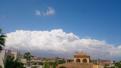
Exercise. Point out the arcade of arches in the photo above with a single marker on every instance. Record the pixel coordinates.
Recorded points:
(81, 58)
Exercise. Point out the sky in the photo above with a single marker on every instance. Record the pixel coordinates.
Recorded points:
(95, 19)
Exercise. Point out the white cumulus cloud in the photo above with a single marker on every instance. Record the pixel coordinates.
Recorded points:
(48, 12)
(58, 42)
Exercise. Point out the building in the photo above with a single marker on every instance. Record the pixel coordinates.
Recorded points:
(12, 53)
(35, 62)
(24, 61)
(81, 57)
(80, 60)
(2, 54)
(107, 63)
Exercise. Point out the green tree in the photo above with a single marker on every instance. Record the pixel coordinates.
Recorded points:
(54, 65)
(61, 61)
(10, 62)
(46, 65)
(28, 56)
(118, 64)
(2, 40)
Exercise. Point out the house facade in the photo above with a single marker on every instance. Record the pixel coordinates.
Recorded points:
(80, 60)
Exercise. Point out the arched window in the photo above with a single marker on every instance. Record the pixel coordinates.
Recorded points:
(77, 60)
(84, 60)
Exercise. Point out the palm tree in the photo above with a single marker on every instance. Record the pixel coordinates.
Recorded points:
(28, 56)
(2, 40)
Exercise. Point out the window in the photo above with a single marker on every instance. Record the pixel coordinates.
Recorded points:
(77, 60)
(84, 60)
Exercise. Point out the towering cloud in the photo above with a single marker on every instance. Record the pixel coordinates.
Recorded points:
(58, 42)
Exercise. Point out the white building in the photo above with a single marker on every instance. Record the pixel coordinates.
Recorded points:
(2, 54)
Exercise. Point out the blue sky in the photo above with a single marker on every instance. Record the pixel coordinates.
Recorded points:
(99, 19)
